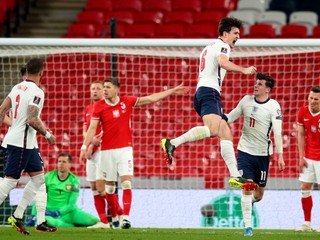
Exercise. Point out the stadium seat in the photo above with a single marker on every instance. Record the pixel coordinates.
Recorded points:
(294, 31)
(149, 17)
(86, 30)
(307, 18)
(256, 6)
(127, 5)
(143, 30)
(186, 5)
(212, 16)
(162, 6)
(172, 30)
(218, 5)
(276, 18)
(121, 30)
(178, 17)
(202, 30)
(316, 32)
(262, 31)
(105, 5)
(93, 17)
(123, 17)
(248, 18)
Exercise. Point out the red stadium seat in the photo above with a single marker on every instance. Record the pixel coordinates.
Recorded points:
(152, 5)
(123, 17)
(93, 17)
(144, 30)
(149, 17)
(202, 30)
(178, 17)
(105, 5)
(172, 30)
(86, 30)
(213, 16)
(186, 5)
(316, 32)
(127, 5)
(224, 6)
(262, 31)
(294, 31)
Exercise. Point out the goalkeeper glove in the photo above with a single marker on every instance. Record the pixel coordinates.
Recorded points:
(53, 213)
(31, 221)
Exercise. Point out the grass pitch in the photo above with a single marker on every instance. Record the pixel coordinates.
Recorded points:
(155, 234)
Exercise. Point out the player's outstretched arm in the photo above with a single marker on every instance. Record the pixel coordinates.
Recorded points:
(224, 62)
(178, 90)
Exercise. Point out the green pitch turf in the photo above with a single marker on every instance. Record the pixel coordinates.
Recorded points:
(155, 234)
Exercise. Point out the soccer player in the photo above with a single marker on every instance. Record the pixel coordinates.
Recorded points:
(114, 114)
(63, 193)
(26, 101)
(97, 185)
(214, 63)
(261, 115)
(309, 153)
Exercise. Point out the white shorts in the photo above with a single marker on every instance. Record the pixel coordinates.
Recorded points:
(92, 167)
(116, 161)
(311, 174)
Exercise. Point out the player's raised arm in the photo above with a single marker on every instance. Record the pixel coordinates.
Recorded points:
(178, 90)
(224, 62)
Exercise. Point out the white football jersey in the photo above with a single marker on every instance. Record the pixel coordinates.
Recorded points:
(210, 73)
(259, 119)
(20, 134)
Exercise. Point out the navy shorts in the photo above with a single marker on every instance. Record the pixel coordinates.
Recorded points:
(254, 167)
(207, 101)
(21, 160)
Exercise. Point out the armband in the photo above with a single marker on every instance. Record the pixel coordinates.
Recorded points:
(48, 135)
(84, 147)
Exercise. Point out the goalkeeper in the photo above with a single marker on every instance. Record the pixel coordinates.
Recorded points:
(63, 192)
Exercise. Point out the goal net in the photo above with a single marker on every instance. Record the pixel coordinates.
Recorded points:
(144, 67)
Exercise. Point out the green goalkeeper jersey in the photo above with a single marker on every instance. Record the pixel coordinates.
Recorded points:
(62, 194)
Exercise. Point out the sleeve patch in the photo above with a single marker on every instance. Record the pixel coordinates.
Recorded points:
(36, 100)
(224, 50)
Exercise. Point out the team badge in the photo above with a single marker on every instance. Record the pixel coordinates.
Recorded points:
(116, 113)
(313, 129)
(68, 187)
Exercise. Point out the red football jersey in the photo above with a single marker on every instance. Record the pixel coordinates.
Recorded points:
(87, 119)
(311, 124)
(115, 121)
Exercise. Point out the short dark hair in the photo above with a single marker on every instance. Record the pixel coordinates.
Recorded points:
(23, 71)
(227, 23)
(34, 65)
(315, 89)
(114, 81)
(66, 155)
(270, 82)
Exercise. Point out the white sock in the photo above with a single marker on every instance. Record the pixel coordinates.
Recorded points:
(246, 206)
(6, 185)
(228, 155)
(194, 134)
(41, 203)
(29, 193)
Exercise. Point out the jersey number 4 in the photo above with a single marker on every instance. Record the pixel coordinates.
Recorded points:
(17, 106)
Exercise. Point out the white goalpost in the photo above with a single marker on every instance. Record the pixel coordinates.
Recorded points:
(143, 66)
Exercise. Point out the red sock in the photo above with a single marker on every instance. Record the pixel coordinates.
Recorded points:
(307, 204)
(100, 205)
(119, 209)
(127, 199)
(112, 199)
